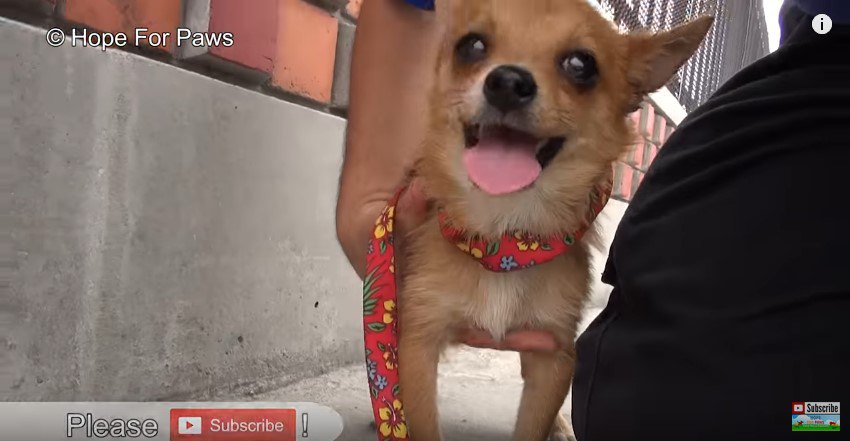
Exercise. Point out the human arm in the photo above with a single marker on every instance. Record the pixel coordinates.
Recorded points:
(391, 73)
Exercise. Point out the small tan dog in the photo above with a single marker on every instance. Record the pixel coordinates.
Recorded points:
(528, 114)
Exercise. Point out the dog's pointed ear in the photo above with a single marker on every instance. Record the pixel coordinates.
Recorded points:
(655, 58)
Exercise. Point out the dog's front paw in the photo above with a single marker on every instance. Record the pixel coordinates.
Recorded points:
(561, 437)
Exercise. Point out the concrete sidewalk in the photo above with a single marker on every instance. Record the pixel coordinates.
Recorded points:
(479, 395)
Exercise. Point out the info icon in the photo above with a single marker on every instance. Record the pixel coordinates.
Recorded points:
(822, 24)
(798, 408)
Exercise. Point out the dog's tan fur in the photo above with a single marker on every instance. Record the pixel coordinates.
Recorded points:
(443, 290)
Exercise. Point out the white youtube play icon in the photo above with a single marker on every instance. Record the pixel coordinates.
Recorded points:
(189, 425)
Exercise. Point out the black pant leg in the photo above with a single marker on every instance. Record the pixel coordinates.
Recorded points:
(731, 266)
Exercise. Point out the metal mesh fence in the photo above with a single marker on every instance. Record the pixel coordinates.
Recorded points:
(738, 37)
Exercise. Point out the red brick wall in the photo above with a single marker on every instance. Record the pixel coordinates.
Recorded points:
(293, 49)
(652, 128)
(285, 45)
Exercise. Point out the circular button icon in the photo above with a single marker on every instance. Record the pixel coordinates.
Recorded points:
(822, 24)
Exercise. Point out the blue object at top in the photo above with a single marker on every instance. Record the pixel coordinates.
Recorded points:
(837, 10)
(424, 4)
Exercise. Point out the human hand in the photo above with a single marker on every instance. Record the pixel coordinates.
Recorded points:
(519, 341)
(411, 210)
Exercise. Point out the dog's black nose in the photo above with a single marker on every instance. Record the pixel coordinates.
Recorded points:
(509, 88)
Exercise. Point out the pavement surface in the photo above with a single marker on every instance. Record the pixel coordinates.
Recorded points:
(479, 394)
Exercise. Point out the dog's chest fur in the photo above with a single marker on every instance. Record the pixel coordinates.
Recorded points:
(446, 285)
(500, 302)
(549, 296)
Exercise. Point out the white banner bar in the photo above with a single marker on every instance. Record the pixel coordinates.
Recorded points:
(189, 421)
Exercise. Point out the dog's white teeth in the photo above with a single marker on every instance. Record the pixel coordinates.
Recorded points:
(483, 130)
(541, 145)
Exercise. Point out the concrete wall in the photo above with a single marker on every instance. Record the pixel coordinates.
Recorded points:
(170, 233)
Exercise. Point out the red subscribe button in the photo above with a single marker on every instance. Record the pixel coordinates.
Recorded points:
(233, 424)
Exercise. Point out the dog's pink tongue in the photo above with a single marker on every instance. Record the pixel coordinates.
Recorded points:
(502, 162)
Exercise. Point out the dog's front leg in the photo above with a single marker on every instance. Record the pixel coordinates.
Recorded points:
(547, 381)
(418, 359)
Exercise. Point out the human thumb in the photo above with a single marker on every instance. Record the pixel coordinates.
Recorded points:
(412, 206)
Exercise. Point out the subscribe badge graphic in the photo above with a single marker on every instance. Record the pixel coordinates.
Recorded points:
(816, 416)
(233, 424)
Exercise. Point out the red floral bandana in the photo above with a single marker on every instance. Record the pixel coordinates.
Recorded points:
(514, 251)
(517, 251)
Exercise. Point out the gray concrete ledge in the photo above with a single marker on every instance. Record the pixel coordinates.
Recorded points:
(171, 235)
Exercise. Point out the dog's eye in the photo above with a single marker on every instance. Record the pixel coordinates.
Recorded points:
(580, 68)
(472, 48)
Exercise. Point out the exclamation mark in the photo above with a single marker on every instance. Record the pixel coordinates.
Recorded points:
(303, 425)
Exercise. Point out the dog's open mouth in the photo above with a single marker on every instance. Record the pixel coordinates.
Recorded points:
(500, 159)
